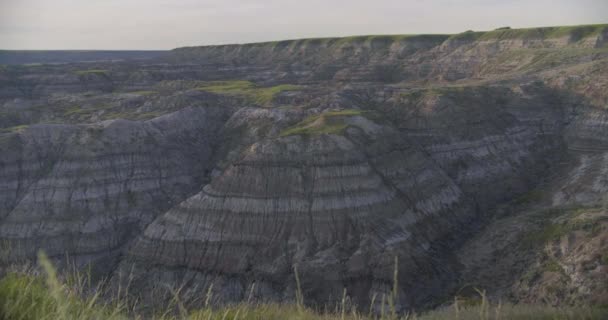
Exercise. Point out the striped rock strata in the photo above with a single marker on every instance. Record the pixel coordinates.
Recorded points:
(87, 190)
(342, 207)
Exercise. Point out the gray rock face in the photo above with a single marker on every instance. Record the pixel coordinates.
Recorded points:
(88, 189)
(342, 207)
(295, 200)
(229, 166)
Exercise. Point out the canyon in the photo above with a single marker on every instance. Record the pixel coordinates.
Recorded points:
(473, 160)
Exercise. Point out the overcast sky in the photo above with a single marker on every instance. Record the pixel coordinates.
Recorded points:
(166, 24)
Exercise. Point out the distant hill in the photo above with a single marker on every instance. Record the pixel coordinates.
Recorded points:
(66, 56)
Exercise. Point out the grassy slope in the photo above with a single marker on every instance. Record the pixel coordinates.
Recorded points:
(256, 94)
(576, 33)
(331, 122)
(27, 296)
(91, 71)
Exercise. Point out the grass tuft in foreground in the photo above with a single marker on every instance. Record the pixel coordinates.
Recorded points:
(37, 297)
(28, 296)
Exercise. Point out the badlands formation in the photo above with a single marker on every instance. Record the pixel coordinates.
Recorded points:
(474, 160)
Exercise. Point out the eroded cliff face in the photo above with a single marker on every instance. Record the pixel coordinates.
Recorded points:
(408, 58)
(89, 189)
(395, 182)
(226, 167)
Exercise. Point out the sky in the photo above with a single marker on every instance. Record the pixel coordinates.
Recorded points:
(167, 24)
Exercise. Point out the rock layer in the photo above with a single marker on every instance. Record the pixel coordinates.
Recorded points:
(87, 190)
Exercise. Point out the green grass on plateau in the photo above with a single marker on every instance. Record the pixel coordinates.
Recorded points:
(331, 122)
(247, 89)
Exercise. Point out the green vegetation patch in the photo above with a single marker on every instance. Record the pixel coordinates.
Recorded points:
(604, 258)
(86, 111)
(552, 232)
(14, 129)
(265, 95)
(248, 89)
(91, 71)
(47, 296)
(131, 115)
(532, 196)
(108, 112)
(388, 39)
(223, 87)
(552, 266)
(144, 92)
(331, 122)
(565, 222)
(533, 60)
(419, 94)
(468, 35)
(28, 296)
(575, 33)
(537, 271)
(25, 297)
